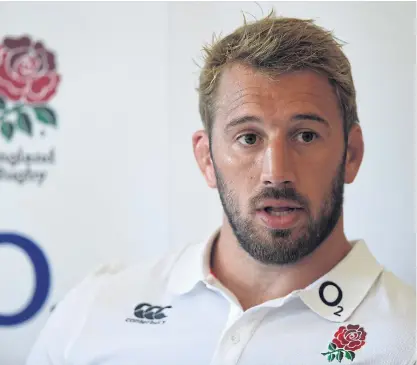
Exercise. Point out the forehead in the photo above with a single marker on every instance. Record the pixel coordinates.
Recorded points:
(243, 88)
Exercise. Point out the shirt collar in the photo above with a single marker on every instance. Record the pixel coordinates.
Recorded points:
(337, 294)
(193, 266)
(334, 296)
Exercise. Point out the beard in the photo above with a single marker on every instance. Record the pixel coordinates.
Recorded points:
(279, 246)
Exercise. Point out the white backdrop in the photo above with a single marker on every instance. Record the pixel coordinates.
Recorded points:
(125, 184)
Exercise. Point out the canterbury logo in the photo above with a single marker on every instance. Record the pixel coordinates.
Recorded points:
(149, 311)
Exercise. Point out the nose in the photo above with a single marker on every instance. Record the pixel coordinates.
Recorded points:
(277, 167)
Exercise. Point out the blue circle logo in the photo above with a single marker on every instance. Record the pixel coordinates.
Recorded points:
(42, 278)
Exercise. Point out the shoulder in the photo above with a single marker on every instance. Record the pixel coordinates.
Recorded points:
(117, 277)
(390, 313)
(396, 302)
(399, 297)
(67, 319)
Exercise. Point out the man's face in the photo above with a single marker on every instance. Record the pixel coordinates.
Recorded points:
(278, 154)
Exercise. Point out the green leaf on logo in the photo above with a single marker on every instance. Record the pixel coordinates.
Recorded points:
(7, 130)
(332, 346)
(2, 104)
(45, 115)
(350, 355)
(331, 357)
(339, 356)
(24, 123)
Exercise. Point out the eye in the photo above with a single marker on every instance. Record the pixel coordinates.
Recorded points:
(306, 136)
(248, 139)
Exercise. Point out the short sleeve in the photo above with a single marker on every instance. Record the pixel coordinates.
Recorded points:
(67, 319)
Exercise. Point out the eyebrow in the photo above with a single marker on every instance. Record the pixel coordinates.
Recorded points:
(297, 117)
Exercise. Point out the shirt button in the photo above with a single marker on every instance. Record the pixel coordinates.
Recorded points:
(235, 338)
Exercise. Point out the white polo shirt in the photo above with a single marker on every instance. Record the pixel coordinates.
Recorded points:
(174, 312)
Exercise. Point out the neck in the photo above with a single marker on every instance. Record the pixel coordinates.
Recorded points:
(253, 282)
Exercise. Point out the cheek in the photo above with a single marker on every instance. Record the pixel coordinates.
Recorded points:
(314, 180)
(239, 175)
(235, 167)
(231, 157)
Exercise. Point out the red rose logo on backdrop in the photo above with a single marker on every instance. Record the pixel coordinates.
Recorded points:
(28, 80)
(346, 340)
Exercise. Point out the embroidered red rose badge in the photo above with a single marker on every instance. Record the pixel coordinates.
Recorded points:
(28, 80)
(346, 341)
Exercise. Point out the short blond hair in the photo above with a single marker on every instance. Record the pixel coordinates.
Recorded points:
(276, 45)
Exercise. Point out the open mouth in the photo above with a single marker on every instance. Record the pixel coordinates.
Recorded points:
(280, 211)
(280, 216)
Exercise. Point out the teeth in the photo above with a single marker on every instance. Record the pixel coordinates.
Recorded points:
(280, 213)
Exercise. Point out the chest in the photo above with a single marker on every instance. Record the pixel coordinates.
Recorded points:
(206, 330)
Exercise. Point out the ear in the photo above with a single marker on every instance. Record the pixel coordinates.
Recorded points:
(355, 152)
(201, 149)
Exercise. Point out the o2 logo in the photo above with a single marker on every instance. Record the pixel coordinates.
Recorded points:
(42, 278)
(335, 302)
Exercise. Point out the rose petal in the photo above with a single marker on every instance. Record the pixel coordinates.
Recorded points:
(2, 54)
(353, 327)
(337, 343)
(46, 57)
(4, 91)
(51, 61)
(43, 57)
(19, 61)
(14, 57)
(12, 43)
(351, 335)
(38, 46)
(340, 331)
(342, 339)
(9, 88)
(355, 345)
(362, 334)
(12, 73)
(40, 84)
(43, 88)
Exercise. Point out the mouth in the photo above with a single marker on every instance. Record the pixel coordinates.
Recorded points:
(279, 215)
(280, 211)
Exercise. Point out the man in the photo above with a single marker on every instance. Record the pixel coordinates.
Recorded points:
(278, 283)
